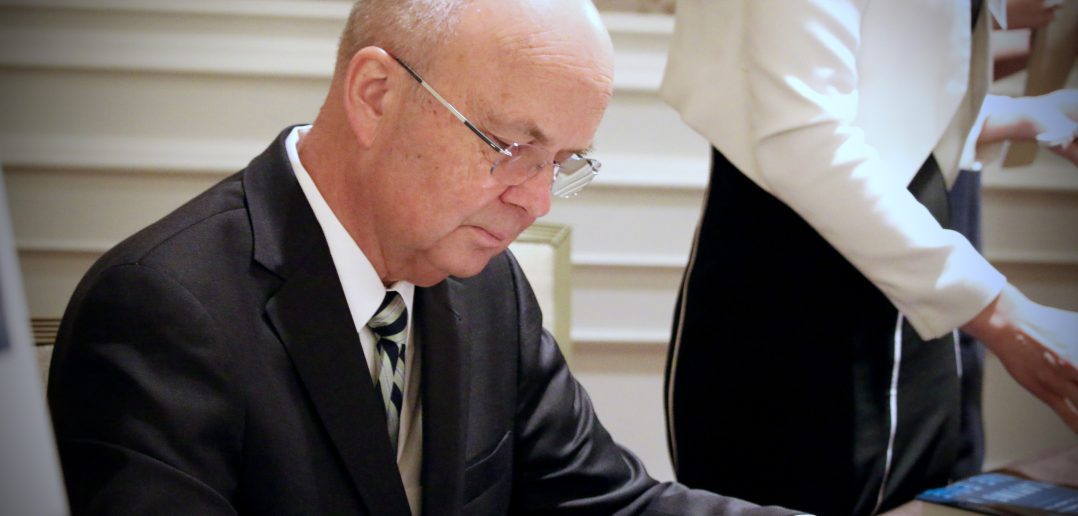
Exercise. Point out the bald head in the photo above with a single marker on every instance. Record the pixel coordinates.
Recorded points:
(420, 30)
(543, 29)
(404, 27)
(421, 193)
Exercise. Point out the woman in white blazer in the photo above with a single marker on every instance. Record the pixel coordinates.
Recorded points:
(817, 313)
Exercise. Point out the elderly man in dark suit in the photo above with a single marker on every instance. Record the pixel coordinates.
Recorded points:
(338, 328)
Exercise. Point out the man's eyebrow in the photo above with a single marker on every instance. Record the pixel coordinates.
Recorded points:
(542, 140)
(585, 151)
(530, 128)
(537, 135)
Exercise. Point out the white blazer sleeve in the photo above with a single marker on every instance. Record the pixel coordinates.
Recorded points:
(801, 64)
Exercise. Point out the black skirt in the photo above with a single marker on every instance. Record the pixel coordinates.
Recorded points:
(781, 385)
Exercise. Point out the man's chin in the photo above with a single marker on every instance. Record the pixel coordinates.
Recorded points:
(458, 268)
(470, 269)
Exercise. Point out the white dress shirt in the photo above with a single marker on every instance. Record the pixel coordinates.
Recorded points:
(832, 106)
(364, 292)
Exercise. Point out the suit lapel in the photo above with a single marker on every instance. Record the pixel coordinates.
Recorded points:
(445, 407)
(311, 317)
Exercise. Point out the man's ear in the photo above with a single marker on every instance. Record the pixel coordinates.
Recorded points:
(367, 92)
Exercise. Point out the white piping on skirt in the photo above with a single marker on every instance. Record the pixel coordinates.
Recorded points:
(957, 354)
(677, 338)
(892, 396)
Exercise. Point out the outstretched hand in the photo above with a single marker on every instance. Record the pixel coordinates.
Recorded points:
(1038, 345)
(1050, 119)
(1030, 14)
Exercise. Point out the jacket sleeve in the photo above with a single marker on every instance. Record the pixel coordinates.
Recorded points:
(144, 418)
(566, 462)
(817, 161)
(800, 63)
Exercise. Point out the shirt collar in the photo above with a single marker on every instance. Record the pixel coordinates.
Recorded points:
(363, 289)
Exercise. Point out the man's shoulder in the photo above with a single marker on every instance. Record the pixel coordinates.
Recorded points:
(215, 217)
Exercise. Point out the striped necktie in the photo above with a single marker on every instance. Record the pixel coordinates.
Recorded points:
(390, 326)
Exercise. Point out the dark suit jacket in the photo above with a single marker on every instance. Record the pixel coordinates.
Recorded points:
(209, 365)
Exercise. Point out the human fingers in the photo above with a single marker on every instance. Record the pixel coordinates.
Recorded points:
(1069, 151)
(1030, 14)
(1057, 386)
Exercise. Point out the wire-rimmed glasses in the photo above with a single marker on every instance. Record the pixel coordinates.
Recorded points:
(519, 162)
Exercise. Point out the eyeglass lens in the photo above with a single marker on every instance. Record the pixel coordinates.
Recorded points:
(573, 174)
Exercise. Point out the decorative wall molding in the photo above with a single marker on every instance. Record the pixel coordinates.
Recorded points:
(104, 154)
(63, 247)
(289, 10)
(603, 336)
(303, 47)
(44, 329)
(218, 38)
(319, 9)
(649, 6)
(98, 154)
(629, 261)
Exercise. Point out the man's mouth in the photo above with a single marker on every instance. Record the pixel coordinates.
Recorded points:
(494, 237)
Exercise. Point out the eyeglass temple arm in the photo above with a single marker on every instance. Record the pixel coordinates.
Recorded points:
(453, 110)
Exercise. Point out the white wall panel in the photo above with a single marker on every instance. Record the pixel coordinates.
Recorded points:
(53, 275)
(1016, 423)
(602, 313)
(637, 127)
(1051, 284)
(630, 221)
(142, 113)
(625, 383)
(1031, 225)
(94, 211)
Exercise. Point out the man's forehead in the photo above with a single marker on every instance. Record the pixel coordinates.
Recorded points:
(514, 128)
(532, 35)
(530, 82)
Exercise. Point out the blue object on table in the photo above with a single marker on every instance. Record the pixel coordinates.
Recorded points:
(998, 493)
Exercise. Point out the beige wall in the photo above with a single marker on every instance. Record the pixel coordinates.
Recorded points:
(113, 112)
(639, 6)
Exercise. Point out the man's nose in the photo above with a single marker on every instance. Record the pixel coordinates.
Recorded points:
(533, 195)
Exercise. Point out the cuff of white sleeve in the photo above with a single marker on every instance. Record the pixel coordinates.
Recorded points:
(970, 287)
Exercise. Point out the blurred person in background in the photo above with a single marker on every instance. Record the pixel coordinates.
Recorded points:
(964, 201)
(813, 360)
